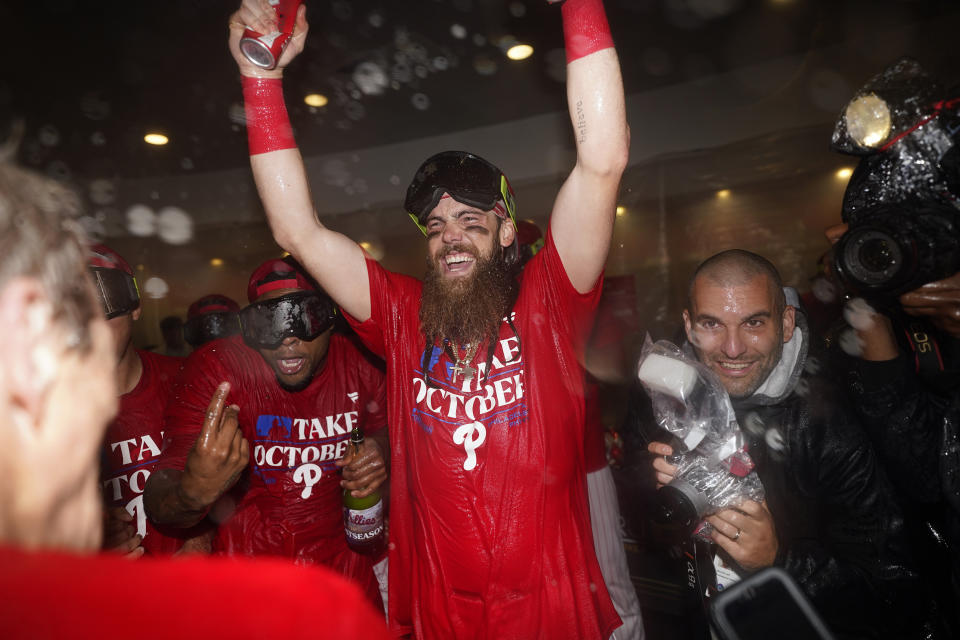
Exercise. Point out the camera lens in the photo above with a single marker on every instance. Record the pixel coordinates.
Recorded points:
(871, 257)
(876, 255)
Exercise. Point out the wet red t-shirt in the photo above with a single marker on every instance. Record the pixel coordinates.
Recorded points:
(61, 595)
(489, 524)
(289, 502)
(131, 448)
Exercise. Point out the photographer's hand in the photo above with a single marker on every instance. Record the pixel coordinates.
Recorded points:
(747, 533)
(665, 471)
(939, 301)
(874, 330)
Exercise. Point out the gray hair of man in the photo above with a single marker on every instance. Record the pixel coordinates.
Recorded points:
(40, 237)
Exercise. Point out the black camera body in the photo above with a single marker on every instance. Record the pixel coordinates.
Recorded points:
(902, 203)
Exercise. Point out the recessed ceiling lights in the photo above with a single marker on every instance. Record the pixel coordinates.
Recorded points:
(156, 139)
(844, 173)
(316, 100)
(520, 52)
(723, 193)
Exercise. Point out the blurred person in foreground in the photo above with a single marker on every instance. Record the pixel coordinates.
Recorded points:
(298, 388)
(57, 394)
(133, 439)
(489, 522)
(830, 517)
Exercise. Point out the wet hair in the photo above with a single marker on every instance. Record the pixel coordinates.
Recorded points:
(738, 267)
(41, 238)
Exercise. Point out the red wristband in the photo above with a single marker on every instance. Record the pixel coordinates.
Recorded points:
(585, 28)
(268, 125)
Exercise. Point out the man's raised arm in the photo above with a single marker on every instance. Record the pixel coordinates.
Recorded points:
(335, 261)
(583, 214)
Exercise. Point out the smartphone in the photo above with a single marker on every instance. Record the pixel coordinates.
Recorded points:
(768, 604)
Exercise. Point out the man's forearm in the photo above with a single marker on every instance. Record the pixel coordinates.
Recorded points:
(165, 502)
(583, 215)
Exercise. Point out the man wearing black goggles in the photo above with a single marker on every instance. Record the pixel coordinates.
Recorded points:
(489, 431)
(302, 314)
(296, 388)
(211, 317)
(145, 380)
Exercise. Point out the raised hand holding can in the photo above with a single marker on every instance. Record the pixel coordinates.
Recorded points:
(265, 49)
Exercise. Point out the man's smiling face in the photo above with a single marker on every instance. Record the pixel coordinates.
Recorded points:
(458, 236)
(737, 331)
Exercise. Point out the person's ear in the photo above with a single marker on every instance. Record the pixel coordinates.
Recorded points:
(789, 322)
(508, 233)
(28, 337)
(688, 326)
(136, 313)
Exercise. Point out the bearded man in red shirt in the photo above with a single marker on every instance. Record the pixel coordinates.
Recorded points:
(489, 523)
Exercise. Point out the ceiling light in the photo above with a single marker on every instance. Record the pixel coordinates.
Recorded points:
(216, 262)
(621, 211)
(316, 100)
(520, 52)
(365, 246)
(723, 193)
(156, 138)
(844, 173)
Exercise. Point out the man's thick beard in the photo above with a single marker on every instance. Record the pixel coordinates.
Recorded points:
(468, 309)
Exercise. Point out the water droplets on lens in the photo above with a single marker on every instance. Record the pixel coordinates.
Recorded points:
(174, 225)
(141, 220)
(420, 101)
(156, 288)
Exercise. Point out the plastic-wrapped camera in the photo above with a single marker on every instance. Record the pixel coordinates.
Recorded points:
(903, 200)
(714, 470)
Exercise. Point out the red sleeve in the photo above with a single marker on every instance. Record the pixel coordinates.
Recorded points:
(391, 294)
(374, 390)
(202, 372)
(570, 312)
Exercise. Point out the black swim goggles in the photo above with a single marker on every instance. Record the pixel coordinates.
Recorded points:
(467, 178)
(303, 314)
(116, 289)
(203, 328)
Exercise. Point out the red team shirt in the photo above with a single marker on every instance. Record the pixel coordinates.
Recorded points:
(489, 523)
(289, 502)
(62, 595)
(132, 445)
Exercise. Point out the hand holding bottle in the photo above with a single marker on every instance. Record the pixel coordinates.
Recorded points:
(364, 468)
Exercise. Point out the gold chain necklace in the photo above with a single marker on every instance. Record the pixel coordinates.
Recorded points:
(462, 365)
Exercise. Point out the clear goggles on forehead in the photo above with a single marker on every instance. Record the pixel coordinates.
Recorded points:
(116, 289)
(304, 315)
(211, 326)
(467, 178)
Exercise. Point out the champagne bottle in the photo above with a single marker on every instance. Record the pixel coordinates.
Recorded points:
(363, 517)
